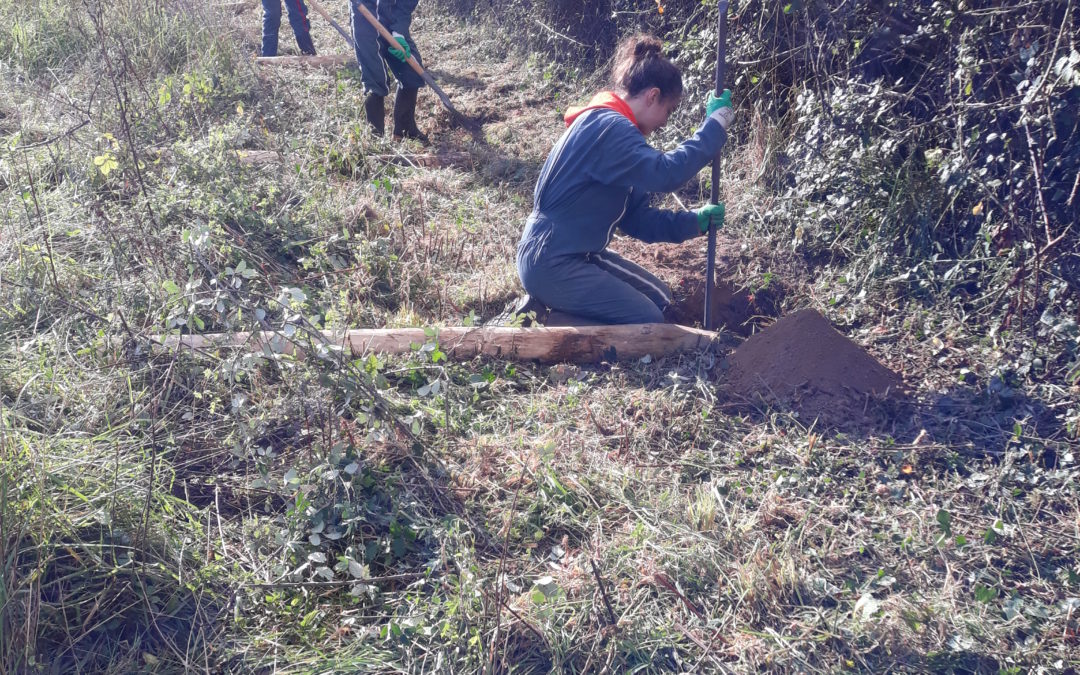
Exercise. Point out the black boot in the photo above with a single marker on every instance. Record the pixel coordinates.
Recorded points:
(375, 107)
(405, 115)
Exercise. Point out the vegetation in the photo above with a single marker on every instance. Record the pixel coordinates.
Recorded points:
(909, 171)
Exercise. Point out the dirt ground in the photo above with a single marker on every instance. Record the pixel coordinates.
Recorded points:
(737, 309)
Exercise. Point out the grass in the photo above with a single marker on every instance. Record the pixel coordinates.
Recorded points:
(240, 512)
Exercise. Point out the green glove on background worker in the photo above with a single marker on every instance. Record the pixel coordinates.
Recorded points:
(404, 52)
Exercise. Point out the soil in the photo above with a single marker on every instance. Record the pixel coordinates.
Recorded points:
(682, 267)
(803, 363)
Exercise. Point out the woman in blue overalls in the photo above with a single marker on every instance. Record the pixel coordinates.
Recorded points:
(599, 176)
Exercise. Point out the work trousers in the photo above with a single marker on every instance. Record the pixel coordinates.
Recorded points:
(298, 19)
(602, 286)
(373, 55)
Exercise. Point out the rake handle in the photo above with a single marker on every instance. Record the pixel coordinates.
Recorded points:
(326, 15)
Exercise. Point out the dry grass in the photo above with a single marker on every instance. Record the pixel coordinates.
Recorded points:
(240, 512)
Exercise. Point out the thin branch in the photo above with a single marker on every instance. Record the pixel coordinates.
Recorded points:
(603, 593)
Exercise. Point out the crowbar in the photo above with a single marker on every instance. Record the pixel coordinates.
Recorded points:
(714, 195)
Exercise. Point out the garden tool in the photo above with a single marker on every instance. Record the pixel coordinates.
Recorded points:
(714, 195)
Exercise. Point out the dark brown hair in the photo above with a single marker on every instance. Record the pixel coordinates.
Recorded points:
(640, 64)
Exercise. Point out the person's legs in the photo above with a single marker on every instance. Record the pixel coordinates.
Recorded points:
(298, 19)
(372, 68)
(409, 83)
(271, 24)
(635, 275)
(574, 285)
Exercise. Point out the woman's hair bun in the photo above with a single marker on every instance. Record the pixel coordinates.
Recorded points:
(647, 45)
(640, 64)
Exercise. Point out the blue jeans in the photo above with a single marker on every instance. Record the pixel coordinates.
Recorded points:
(298, 19)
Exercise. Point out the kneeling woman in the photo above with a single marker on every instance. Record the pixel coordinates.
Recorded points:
(599, 176)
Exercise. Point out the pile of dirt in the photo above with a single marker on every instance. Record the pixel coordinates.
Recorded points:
(803, 363)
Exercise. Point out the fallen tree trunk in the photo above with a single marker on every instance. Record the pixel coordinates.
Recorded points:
(318, 60)
(575, 344)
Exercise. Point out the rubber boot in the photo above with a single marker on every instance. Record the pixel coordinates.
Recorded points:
(375, 107)
(405, 115)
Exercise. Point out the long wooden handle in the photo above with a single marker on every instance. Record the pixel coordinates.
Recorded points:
(326, 15)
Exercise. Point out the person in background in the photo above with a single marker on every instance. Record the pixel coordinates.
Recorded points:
(599, 176)
(298, 19)
(374, 54)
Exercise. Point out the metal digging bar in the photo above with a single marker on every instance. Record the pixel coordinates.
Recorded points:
(714, 196)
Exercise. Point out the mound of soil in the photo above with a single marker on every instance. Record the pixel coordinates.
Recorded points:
(801, 361)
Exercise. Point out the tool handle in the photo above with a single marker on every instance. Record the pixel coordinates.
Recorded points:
(721, 44)
(326, 15)
(714, 194)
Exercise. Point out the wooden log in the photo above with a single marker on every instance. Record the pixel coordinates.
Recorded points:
(570, 344)
(234, 7)
(325, 60)
(257, 157)
(426, 160)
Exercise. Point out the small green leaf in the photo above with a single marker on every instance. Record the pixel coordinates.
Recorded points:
(985, 594)
(944, 519)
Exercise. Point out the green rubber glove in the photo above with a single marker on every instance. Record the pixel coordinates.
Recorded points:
(716, 102)
(723, 104)
(404, 52)
(710, 213)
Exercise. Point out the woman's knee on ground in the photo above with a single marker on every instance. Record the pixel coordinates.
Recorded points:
(644, 312)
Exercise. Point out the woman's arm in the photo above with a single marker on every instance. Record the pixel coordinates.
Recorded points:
(652, 225)
(624, 158)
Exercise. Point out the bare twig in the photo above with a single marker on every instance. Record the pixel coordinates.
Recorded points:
(603, 592)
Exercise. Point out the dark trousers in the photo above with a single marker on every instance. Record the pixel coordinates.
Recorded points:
(602, 286)
(298, 19)
(373, 55)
